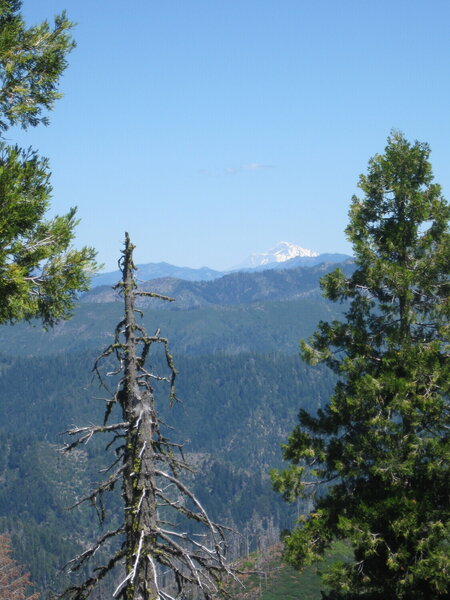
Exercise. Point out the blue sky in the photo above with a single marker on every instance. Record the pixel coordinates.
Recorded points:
(211, 129)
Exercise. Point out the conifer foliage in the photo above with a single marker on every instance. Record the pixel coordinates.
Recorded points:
(40, 273)
(14, 581)
(381, 447)
(157, 503)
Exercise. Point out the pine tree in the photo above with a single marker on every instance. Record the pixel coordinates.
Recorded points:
(380, 450)
(40, 273)
(14, 581)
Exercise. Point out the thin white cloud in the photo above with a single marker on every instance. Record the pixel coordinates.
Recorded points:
(248, 167)
(256, 167)
(239, 169)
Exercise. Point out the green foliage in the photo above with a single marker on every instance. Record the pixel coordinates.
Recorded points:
(40, 274)
(31, 62)
(382, 443)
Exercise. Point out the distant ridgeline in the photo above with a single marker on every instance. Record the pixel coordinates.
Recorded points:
(148, 271)
(242, 287)
(241, 385)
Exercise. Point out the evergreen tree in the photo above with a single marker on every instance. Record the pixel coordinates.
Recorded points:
(40, 274)
(381, 447)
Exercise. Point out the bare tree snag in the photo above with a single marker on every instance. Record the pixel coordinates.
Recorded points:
(149, 467)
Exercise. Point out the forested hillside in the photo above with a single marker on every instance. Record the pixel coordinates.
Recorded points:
(232, 289)
(257, 327)
(240, 384)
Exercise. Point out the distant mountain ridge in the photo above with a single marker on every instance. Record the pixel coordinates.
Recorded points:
(235, 288)
(149, 271)
(282, 256)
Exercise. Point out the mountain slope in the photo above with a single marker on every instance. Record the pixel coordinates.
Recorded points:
(235, 288)
(240, 381)
(257, 327)
(282, 256)
(234, 413)
(149, 271)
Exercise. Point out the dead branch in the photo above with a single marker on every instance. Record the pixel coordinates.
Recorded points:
(144, 460)
(88, 432)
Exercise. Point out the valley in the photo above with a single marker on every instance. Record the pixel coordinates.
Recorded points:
(240, 385)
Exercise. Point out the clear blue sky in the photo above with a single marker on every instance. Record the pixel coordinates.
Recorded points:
(210, 129)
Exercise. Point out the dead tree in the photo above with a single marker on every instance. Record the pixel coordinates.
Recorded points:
(149, 467)
(14, 581)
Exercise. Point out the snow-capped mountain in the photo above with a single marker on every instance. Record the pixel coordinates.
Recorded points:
(281, 252)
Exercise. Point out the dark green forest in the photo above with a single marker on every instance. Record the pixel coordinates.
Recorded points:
(240, 386)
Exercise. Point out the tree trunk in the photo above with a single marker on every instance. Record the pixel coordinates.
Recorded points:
(138, 483)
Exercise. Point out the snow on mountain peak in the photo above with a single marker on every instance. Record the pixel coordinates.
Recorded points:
(281, 252)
